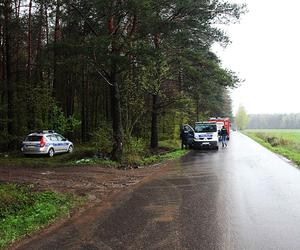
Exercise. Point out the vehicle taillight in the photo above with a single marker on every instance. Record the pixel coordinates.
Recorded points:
(42, 142)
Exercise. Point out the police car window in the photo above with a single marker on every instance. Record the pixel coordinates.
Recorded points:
(59, 138)
(33, 138)
(51, 138)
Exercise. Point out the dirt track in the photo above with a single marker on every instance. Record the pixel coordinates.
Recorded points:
(97, 183)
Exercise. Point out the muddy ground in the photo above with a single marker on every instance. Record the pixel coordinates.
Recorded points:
(97, 183)
(100, 185)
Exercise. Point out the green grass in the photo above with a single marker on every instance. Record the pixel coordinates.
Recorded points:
(85, 155)
(80, 152)
(171, 144)
(24, 210)
(166, 156)
(283, 142)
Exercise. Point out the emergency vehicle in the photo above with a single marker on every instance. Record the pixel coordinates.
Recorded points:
(220, 123)
(46, 143)
(204, 134)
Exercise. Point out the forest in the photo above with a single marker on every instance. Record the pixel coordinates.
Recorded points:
(113, 72)
(274, 121)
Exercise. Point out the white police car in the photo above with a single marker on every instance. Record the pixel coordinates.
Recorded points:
(46, 143)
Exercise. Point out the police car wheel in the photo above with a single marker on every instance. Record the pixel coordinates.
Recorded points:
(70, 150)
(51, 152)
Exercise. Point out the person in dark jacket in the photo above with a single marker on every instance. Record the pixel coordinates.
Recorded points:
(184, 136)
(224, 134)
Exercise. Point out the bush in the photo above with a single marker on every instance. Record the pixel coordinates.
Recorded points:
(103, 139)
(63, 124)
(274, 141)
(170, 144)
(133, 150)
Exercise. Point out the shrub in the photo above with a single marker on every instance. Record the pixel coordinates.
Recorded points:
(133, 150)
(63, 124)
(103, 139)
(274, 141)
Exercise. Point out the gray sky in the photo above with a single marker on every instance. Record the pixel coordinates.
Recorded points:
(265, 51)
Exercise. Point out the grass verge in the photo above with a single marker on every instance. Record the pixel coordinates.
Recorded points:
(86, 155)
(282, 142)
(23, 210)
(162, 157)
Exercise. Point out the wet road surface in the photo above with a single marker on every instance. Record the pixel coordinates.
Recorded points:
(241, 197)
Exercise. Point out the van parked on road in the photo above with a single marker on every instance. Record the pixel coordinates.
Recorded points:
(205, 134)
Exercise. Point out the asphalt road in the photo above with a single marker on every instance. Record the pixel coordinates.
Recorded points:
(241, 197)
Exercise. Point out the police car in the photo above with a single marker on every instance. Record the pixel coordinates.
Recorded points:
(205, 134)
(46, 143)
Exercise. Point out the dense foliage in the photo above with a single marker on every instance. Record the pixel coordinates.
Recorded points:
(127, 68)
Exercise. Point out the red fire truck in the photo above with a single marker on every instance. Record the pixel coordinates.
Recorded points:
(222, 122)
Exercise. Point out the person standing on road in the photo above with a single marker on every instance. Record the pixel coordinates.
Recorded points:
(224, 134)
(184, 136)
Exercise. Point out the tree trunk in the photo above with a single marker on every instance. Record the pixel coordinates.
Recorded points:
(154, 126)
(70, 98)
(56, 38)
(29, 48)
(8, 70)
(107, 104)
(2, 77)
(20, 119)
(83, 107)
(38, 69)
(47, 43)
(154, 120)
(197, 109)
(115, 98)
(17, 13)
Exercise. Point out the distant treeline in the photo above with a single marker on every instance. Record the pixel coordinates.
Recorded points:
(274, 121)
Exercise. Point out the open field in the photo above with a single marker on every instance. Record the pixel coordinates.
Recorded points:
(285, 142)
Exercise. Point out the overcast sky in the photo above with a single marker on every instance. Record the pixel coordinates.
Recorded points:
(265, 51)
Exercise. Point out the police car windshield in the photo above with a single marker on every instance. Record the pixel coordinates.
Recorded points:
(33, 138)
(203, 128)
